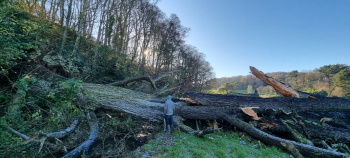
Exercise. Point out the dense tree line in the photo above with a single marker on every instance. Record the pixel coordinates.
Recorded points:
(116, 39)
(328, 80)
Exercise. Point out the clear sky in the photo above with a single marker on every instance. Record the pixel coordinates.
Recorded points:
(271, 35)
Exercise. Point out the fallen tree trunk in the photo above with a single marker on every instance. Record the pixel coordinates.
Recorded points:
(277, 103)
(277, 85)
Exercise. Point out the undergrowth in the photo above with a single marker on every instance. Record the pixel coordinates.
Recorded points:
(29, 113)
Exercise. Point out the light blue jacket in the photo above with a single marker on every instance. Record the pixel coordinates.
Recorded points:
(169, 107)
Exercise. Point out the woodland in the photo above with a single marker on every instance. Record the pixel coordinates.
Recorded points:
(88, 78)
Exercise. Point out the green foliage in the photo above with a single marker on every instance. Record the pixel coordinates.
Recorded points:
(17, 32)
(62, 101)
(227, 88)
(14, 118)
(293, 74)
(22, 84)
(19, 98)
(67, 90)
(342, 79)
(250, 89)
(330, 70)
(38, 113)
(210, 91)
(8, 141)
(110, 65)
(222, 144)
(267, 91)
(315, 91)
(120, 124)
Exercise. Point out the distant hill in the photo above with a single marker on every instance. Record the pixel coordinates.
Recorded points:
(311, 81)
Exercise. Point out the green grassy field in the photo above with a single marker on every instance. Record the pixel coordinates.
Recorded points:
(213, 91)
(220, 144)
(242, 91)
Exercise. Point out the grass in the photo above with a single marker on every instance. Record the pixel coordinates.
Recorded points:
(242, 91)
(213, 91)
(220, 144)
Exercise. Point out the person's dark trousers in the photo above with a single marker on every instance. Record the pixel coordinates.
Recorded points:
(169, 122)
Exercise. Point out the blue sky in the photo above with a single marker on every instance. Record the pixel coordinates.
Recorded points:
(271, 35)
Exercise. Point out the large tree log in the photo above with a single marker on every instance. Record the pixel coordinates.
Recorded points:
(277, 103)
(277, 85)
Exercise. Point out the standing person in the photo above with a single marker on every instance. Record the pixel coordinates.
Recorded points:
(169, 109)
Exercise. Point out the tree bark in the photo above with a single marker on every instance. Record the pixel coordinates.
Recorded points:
(64, 37)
